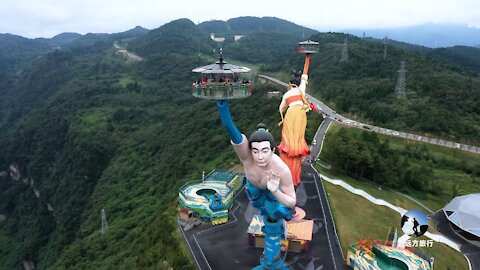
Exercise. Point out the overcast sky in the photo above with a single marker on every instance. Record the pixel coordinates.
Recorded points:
(46, 18)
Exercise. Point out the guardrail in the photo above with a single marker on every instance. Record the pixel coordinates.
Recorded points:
(222, 90)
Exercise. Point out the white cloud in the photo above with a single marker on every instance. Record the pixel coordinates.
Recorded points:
(33, 18)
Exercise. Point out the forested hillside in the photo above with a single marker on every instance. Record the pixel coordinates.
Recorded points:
(464, 56)
(261, 48)
(16, 53)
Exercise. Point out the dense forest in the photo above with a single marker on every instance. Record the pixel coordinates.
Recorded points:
(88, 129)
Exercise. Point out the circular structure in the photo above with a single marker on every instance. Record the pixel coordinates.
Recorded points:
(464, 212)
(222, 81)
(308, 46)
(211, 198)
(206, 192)
(299, 213)
(414, 223)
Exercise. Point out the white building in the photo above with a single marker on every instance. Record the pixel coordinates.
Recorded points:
(464, 212)
(238, 37)
(216, 39)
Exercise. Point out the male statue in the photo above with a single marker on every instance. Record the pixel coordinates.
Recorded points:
(269, 180)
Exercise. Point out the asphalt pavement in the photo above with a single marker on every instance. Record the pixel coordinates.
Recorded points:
(319, 136)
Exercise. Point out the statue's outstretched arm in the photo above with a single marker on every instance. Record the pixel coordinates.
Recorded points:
(223, 109)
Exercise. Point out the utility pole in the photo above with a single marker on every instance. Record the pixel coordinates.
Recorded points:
(344, 52)
(385, 42)
(104, 222)
(400, 87)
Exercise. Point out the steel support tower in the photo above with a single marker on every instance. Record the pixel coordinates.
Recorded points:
(385, 42)
(400, 87)
(104, 222)
(344, 58)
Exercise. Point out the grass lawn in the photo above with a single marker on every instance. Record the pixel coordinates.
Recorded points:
(356, 218)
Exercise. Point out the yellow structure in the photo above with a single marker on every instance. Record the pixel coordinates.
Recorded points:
(299, 234)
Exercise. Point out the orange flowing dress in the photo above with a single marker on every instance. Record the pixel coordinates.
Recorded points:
(293, 146)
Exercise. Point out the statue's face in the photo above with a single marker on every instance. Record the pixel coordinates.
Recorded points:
(262, 153)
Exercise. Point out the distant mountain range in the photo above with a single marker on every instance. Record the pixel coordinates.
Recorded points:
(429, 35)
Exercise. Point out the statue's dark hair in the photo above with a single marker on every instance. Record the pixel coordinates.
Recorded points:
(261, 135)
(296, 77)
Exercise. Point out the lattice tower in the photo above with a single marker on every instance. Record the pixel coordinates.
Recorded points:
(344, 58)
(400, 87)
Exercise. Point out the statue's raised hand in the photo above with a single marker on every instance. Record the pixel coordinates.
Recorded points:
(273, 181)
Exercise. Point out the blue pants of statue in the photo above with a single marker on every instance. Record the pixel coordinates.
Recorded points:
(272, 211)
(263, 200)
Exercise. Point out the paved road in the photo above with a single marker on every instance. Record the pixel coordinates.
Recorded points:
(328, 112)
(226, 246)
(471, 249)
(318, 139)
(330, 230)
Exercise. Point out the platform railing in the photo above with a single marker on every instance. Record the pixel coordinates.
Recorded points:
(213, 90)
